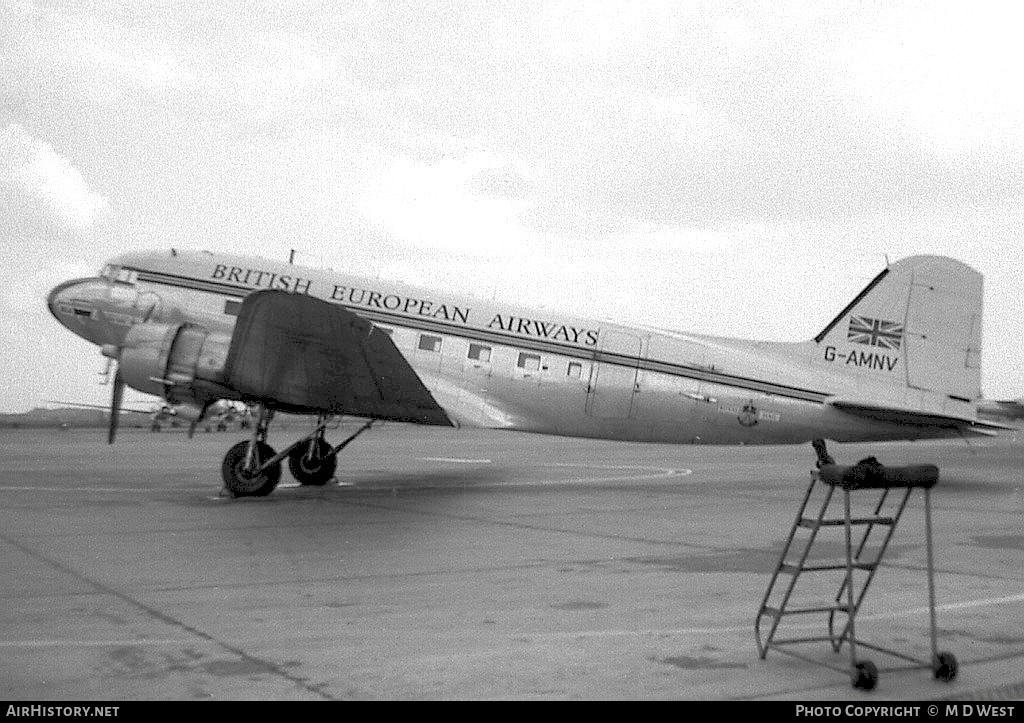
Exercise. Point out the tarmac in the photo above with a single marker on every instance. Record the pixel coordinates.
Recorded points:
(476, 565)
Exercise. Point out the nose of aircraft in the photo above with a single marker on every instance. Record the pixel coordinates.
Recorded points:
(75, 302)
(59, 296)
(96, 310)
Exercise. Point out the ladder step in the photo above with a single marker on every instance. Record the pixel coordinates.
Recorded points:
(777, 613)
(778, 643)
(832, 522)
(794, 569)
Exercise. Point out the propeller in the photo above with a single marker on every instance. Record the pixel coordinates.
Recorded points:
(113, 354)
(197, 420)
(115, 405)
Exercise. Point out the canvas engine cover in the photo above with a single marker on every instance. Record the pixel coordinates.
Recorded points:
(301, 354)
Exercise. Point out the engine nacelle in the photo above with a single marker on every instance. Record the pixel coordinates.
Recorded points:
(180, 362)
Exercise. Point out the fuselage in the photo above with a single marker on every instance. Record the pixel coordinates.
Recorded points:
(494, 365)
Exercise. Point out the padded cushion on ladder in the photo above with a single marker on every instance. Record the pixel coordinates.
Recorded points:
(870, 474)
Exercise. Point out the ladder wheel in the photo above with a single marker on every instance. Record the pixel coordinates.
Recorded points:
(865, 675)
(944, 666)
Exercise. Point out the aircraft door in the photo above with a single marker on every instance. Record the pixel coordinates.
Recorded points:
(614, 376)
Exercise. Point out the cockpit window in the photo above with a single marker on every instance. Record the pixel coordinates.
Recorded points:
(119, 275)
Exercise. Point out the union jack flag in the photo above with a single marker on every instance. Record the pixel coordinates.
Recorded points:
(875, 332)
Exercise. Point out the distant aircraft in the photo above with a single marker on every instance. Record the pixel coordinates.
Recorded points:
(221, 414)
(901, 361)
(1009, 409)
(166, 414)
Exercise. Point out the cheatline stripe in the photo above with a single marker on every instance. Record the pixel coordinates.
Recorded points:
(474, 334)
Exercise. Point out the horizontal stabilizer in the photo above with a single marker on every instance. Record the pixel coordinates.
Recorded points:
(902, 415)
(1001, 409)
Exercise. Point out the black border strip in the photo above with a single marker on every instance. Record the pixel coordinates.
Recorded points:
(846, 309)
(475, 334)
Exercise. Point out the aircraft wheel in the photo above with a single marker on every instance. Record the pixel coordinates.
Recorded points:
(221, 427)
(944, 666)
(241, 483)
(317, 472)
(864, 675)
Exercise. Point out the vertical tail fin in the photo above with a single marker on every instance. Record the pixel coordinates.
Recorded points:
(917, 325)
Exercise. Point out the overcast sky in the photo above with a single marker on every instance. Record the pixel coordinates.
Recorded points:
(732, 168)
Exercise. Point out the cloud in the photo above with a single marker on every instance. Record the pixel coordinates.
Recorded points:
(636, 159)
(38, 185)
(468, 205)
(704, 116)
(501, 182)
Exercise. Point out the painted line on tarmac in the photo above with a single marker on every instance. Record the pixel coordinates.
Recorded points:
(89, 643)
(646, 472)
(957, 606)
(641, 472)
(985, 602)
(7, 488)
(456, 460)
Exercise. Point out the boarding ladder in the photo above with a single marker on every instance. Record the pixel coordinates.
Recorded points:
(867, 535)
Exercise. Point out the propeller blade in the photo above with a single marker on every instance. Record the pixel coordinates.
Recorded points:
(197, 420)
(115, 405)
(105, 374)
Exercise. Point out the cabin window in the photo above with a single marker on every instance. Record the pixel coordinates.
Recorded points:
(428, 342)
(575, 370)
(480, 352)
(529, 362)
(231, 307)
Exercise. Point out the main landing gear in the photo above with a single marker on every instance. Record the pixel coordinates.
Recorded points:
(252, 468)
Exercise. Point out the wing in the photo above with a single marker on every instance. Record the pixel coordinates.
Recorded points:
(304, 355)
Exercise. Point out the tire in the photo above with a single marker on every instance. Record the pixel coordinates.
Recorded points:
(243, 484)
(316, 473)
